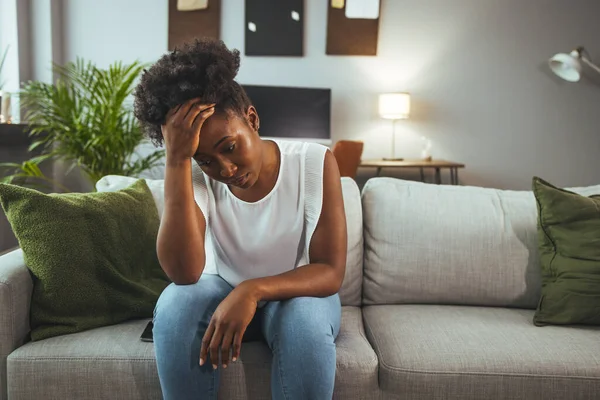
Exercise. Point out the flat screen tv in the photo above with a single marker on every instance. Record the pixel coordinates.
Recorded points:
(292, 112)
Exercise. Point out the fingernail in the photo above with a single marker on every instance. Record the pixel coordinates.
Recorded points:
(201, 362)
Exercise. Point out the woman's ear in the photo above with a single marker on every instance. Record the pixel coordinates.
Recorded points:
(252, 118)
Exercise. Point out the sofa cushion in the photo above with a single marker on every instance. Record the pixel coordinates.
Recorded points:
(92, 256)
(113, 363)
(465, 352)
(351, 291)
(569, 238)
(441, 244)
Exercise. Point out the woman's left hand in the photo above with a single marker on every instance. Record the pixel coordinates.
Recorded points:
(228, 324)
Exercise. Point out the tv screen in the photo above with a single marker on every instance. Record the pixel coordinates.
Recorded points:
(291, 112)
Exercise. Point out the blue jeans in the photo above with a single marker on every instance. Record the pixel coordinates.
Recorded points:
(301, 333)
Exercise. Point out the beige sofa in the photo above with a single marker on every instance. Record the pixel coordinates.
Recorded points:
(439, 295)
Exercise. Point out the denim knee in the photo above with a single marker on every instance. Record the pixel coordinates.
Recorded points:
(305, 320)
(183, 304)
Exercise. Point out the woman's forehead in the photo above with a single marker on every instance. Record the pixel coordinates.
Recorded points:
(215, 130)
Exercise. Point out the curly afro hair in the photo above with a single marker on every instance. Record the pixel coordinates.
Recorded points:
(204, 68)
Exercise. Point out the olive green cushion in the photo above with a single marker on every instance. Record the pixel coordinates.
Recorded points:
(92, 256)
(569, 245)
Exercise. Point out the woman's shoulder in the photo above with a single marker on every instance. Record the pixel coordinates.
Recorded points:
(306, 156)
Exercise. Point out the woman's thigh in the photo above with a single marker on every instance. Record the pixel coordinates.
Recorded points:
(302, 318)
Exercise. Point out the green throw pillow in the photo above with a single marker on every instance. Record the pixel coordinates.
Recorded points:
(569, 245)
(92, 256)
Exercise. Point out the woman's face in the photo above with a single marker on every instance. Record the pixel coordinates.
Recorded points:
(230, 150)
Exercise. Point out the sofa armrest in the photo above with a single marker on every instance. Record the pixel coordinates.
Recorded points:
(16, 288)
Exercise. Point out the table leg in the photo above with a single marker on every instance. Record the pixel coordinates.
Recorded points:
(422, 174)
(455, 176)
(438, 176)
(378, 171)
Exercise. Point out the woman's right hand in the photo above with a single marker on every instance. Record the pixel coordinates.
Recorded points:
(181, 131)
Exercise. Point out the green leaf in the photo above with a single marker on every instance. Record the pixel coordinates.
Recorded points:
(36, 144)
(40, 159)
(32, 169)
(10, 165)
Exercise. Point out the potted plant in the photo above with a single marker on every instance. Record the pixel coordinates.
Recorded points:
(86, 120)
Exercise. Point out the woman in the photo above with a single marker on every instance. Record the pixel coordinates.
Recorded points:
(253, 234)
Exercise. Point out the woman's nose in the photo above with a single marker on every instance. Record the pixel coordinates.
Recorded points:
(228, 169)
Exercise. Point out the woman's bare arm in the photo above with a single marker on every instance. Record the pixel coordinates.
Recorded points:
(180, 243)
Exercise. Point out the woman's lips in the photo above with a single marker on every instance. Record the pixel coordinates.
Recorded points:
(239, 181)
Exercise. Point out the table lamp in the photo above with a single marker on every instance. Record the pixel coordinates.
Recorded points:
(568, 66)
(394, 106)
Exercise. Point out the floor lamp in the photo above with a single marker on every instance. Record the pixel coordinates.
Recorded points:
(394, 106)
(568, 66)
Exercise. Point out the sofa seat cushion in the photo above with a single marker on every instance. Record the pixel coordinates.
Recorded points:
(464, 352)
(113, 363)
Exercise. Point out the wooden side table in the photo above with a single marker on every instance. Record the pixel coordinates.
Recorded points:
(437, 165)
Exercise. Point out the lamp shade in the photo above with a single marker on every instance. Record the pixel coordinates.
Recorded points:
(394, 105)
(566, 66)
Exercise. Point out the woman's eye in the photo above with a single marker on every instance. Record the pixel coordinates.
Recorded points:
(203, 163)
(231, 148)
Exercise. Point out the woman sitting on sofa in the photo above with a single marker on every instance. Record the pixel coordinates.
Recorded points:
(253, 236)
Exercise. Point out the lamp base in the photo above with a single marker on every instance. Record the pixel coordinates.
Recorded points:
(392, 159)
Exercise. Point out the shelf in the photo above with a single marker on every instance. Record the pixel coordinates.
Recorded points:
(14, 135)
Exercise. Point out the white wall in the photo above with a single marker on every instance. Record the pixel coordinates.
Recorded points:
(111, 30)
(476, 70)
(8, 40)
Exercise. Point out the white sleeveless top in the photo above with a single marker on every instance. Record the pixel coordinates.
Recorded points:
(271, 236)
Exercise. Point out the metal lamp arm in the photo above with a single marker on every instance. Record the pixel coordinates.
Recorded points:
(590, 64)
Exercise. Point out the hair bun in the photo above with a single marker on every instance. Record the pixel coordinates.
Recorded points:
(221, 64)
